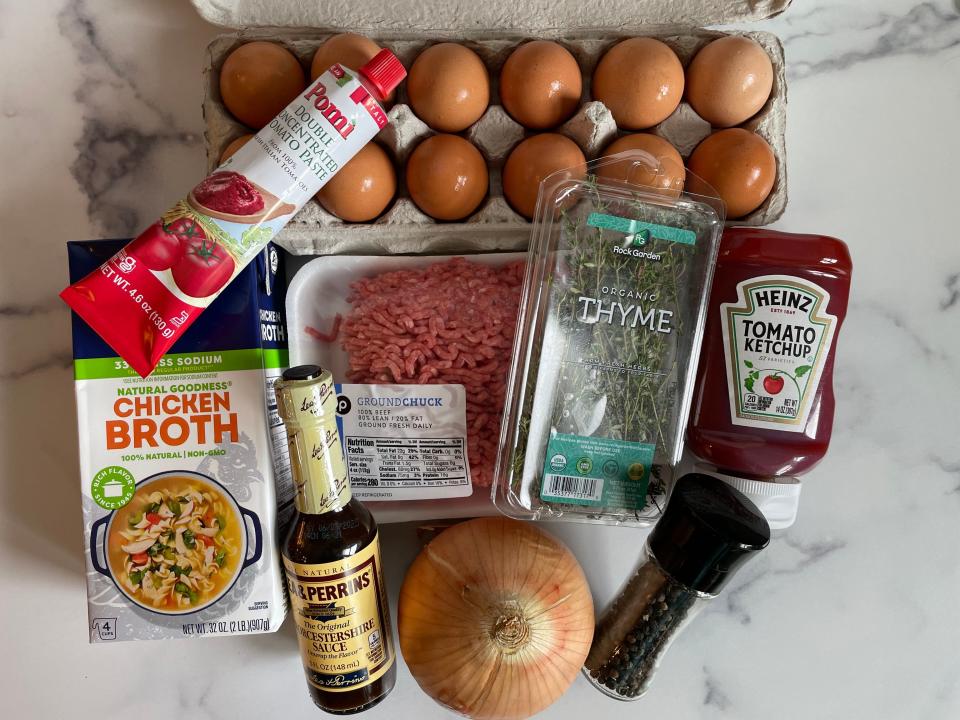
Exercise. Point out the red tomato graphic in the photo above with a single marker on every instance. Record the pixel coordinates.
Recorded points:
(185, 229)
(156, 248)
(204, 268)
(773, 384)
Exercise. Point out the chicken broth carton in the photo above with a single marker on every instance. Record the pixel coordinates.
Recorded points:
(184, 474)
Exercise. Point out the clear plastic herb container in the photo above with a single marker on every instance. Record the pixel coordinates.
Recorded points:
(607, 342)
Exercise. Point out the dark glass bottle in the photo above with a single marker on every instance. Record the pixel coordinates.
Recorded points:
(331, 557)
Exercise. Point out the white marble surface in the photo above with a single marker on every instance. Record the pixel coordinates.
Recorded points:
(852, 614)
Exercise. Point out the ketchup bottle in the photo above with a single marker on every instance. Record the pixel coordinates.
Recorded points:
(763, 403)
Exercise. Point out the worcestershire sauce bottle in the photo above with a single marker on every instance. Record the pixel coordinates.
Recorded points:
(331, 557)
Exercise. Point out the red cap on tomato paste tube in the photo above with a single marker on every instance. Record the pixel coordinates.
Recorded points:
(384, 72)
(778, 498)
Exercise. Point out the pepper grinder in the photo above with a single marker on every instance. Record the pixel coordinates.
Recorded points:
(707, 533)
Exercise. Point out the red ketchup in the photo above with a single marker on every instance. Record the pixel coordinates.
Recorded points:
(763, 402)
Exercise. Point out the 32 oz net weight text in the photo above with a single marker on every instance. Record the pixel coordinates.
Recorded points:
(224, 627)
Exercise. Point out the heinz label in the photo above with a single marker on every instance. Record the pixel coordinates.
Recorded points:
(342, 624)
(776, 337)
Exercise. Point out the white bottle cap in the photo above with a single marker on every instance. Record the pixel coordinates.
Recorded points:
(777, 498)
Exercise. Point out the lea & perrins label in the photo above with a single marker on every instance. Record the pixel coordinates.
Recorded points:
(342, 626)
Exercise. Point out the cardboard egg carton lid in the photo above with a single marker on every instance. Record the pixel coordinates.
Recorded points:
(466, 19)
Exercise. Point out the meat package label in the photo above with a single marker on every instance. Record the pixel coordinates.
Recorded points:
(405, 442)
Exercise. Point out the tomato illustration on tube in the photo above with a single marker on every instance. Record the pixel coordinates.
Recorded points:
(144, 297)
(203, 269)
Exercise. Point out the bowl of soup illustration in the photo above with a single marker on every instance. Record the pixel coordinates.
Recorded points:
(179, 545)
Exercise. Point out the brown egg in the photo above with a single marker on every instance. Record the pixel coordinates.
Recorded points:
(729, 80)
(447, 177)
(740, 166)
(531, 161)
(349, 49)
(234, 145)
(258, 80)
(668, 177)
(363, 188)
(640, 80)
(540, 84)
(449, 87)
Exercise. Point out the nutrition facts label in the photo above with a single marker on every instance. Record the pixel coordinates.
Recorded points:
(405, 442)
(412, 462)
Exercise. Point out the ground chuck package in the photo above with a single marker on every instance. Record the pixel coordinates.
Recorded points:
(184, 476)
(420, 347)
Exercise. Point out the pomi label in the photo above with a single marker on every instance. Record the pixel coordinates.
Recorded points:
(776, 338)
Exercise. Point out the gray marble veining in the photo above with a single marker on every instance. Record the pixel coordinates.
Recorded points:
(850, 614)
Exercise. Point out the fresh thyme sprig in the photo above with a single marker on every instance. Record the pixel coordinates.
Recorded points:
(636, 373)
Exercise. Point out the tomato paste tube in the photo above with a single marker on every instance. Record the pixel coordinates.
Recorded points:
(144, 297)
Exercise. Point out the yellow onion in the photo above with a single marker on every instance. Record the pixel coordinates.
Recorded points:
(495, 619)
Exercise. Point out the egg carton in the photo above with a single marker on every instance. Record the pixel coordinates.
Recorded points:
(403, 228)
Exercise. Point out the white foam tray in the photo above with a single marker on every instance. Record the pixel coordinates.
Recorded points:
(316, 295)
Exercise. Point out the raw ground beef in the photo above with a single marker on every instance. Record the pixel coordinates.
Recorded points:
(452, 322)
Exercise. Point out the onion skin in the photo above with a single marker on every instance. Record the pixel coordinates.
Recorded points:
(495, 619)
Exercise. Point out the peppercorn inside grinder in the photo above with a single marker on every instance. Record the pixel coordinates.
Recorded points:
(708, 531)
